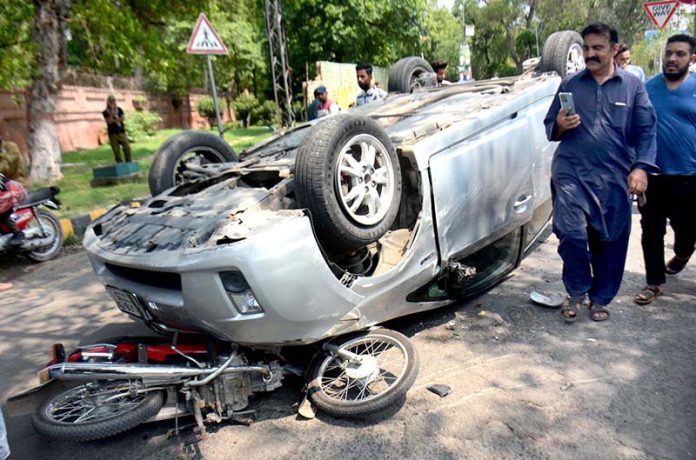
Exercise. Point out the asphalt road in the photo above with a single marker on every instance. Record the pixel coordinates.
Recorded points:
(523, 383)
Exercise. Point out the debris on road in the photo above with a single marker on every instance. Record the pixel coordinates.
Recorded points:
(440, 390)
(567, 386)
(554, 300)
(306, 409)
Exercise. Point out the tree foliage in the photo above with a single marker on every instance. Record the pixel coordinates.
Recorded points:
(379, 32)
(16, 47)
(147, 39)
(443, 39)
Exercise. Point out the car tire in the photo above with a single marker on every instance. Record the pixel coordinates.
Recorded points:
(404, 74)
(563, 53)
(347, 175)
(172, 156)
(320, 386)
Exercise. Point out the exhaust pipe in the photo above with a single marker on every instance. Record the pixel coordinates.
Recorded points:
(107, 371)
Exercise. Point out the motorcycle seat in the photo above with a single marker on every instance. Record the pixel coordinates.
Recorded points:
(39, 196)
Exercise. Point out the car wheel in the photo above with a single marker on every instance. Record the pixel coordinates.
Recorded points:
(406, 73)
(387, 369)
(178, 153)
(347, 175)
(563, 53)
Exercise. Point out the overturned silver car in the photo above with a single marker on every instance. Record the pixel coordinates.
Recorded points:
(331, 228)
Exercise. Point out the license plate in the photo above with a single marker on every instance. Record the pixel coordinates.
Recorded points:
(126, 301)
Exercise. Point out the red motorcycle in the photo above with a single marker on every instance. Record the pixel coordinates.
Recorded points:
(43, 236)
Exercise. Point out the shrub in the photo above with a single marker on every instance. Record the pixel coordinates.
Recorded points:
(139, 102)
(230, 125)
(206, 109)
(265, 114)
(243, 106)
(142, 124)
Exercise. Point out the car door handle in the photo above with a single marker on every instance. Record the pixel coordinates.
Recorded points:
(521, 204)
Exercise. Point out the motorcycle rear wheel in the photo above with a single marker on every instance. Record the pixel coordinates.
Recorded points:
(388, 371)
(84, 413)
(51, 225)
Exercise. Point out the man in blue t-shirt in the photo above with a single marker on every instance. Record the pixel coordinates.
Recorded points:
(671, 195)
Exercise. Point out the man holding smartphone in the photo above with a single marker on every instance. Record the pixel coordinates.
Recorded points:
(672, 195)
(606, 150)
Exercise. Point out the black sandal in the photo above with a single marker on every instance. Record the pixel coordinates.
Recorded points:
(569, 311)
(599, 313)
(648, 294)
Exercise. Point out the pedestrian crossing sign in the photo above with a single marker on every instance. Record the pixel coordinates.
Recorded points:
(661, 12)
(204, 39)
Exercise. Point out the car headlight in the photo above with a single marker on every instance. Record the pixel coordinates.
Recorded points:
(240, 293)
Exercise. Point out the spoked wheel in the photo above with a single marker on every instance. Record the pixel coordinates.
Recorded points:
(50, 231)
(95, 410)
(383, 370)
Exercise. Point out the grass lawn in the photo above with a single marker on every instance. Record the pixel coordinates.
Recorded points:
(79, 197)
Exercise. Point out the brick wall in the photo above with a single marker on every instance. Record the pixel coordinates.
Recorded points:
(78, 117)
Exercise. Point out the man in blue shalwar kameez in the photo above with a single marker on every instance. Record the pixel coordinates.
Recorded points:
(606, 150)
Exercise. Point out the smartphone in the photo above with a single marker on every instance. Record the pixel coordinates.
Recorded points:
(567, 102)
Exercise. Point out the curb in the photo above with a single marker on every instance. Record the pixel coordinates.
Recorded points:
(76, 225)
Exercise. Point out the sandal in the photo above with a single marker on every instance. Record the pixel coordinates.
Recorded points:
(675, 265)
(569, 311)
(648, 294)
(599, 313)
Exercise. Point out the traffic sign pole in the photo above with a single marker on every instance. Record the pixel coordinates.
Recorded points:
(204, 40)
(215, 100)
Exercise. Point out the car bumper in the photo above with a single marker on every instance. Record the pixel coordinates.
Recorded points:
(300, 296)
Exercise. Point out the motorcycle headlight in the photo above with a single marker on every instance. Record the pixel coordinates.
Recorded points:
(240, 293)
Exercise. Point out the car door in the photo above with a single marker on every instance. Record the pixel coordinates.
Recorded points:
(483, 187)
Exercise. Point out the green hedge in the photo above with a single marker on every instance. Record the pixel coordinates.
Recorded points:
(206, 109)
(141, 124)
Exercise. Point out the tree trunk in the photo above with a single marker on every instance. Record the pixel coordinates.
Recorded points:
(47, 32)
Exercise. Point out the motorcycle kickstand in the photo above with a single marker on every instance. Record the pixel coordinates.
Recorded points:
(197, 404)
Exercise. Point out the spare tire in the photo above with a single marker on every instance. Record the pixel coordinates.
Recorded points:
(171, 160)
(347, 175)
(405, 73)
(563, 53)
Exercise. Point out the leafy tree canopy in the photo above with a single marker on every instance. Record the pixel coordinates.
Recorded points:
(148, 37)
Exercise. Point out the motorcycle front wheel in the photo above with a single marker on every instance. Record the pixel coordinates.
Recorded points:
(95, 410)
(386, 371)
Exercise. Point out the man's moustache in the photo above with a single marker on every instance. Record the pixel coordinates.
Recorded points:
(592, 60)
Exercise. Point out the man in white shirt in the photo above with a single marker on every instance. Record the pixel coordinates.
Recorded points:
(369, 91)
(623, 59)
